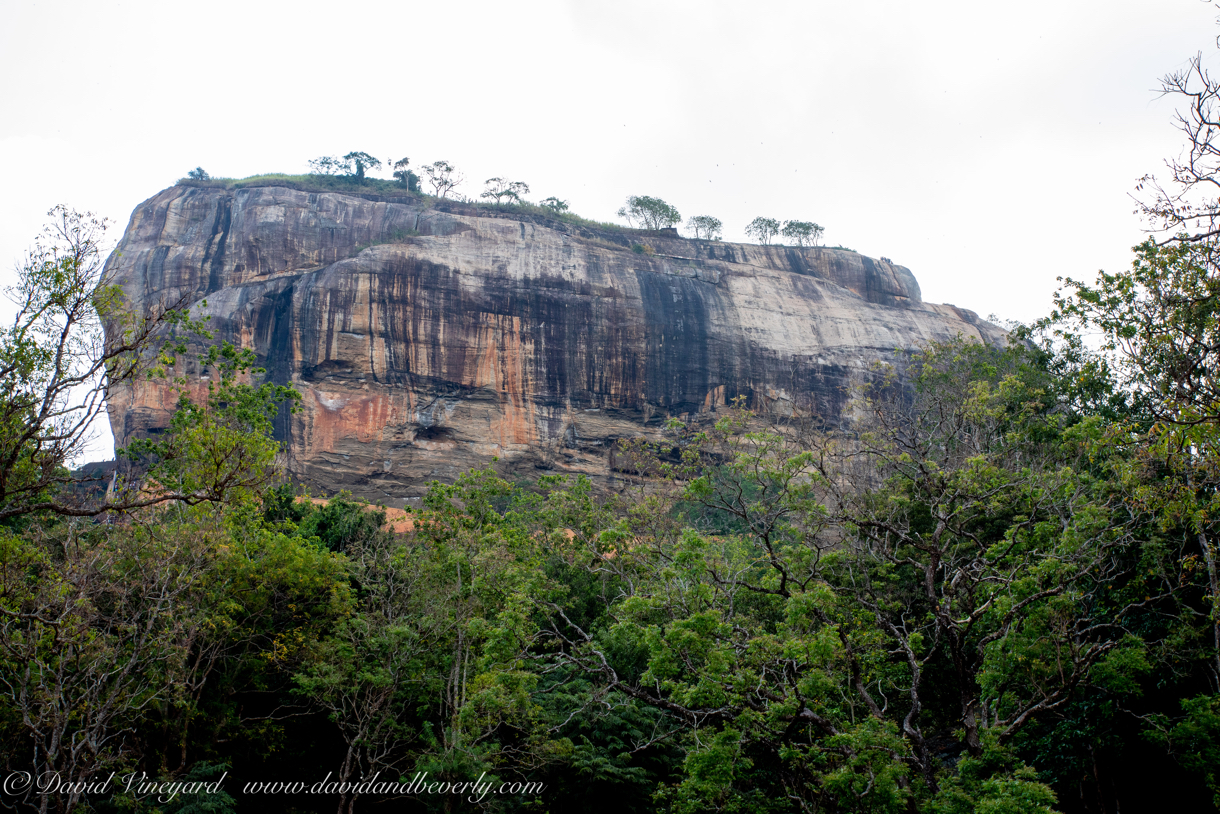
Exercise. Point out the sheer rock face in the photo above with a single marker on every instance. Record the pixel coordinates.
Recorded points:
(426, 340)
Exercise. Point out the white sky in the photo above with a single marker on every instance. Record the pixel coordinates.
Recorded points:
(989, 147)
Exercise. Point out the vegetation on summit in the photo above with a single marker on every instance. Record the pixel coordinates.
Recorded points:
(650, 213)
(640, 211)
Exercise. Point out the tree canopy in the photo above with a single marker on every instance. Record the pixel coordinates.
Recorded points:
(705, 227)
(650, 213)
(443, 177)
(801, 232)
(991, 589)
(359, 163)
(763, 230)
(353, 165)
(405, 176)
(502, 189)
(994, 589)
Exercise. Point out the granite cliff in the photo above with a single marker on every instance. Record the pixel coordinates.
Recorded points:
(427, 337)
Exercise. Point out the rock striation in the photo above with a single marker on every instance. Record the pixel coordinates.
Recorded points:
(427, 337)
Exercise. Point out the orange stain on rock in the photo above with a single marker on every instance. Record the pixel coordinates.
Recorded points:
(500, 365)
(329, 416)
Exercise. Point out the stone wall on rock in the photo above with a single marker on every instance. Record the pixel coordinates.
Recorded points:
(427, 337)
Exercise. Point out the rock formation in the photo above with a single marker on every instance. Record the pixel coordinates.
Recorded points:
(427, 337)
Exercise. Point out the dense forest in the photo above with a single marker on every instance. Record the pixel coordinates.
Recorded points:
(995, 589)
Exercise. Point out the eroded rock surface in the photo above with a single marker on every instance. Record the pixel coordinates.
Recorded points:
(427, 339)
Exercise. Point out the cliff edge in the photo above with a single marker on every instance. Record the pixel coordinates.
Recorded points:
(427, 337)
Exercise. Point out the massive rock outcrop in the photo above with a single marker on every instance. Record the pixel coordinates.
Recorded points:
(428, 337)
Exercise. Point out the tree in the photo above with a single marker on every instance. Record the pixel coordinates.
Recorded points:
(218, 449)
(763, 229)
(353, 165)
(405, 176)
(1188, 207)
(1156, 326)
(363, 670)
(831, 627)
(650, 213)
(443, 177)
(91, 631)
(328, 165)
(802, 232)
(71, 342)
(198, 174)
(501, 188)
(555, 205)
(1160, 328)
(359, 162)
(428, 666)
(705, 227)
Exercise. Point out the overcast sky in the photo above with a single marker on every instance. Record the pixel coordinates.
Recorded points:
(989, 147)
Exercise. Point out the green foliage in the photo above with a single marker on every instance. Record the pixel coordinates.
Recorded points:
(341, 523)
(359, 163)
(802, 232)
(650, 213)
(996, 591)
(763, 230)
(995, 783)
(1157, 323)
(1195, 738)
(502, 189)
(198, 174)
(405, 176)
(767, 624)
(443, 177)
(220, 449)
(837, 626)
(218, 801)
(554, 205)
(353, 165)
(57, 364)
(329, 165)
(705, 227)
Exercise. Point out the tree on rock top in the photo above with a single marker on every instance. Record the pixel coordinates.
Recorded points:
(443, 177)
(353, 165)
(359, 162)
(763, 229)
(405, 176)
(802, 232)
(705, 227)
(502, 188)
(650, 213)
